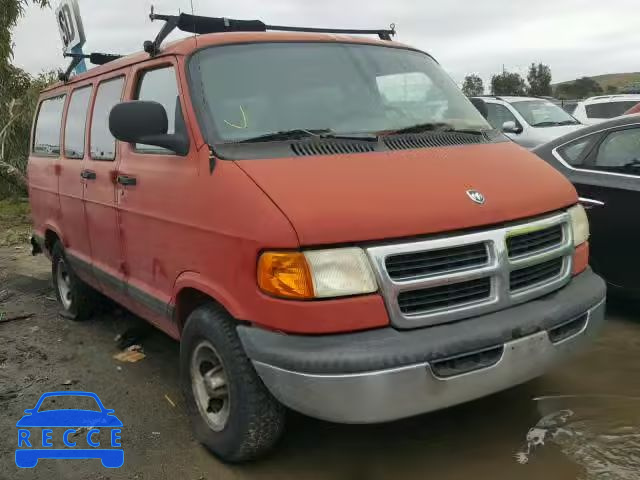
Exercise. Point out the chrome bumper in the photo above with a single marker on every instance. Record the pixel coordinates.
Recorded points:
(385, 395)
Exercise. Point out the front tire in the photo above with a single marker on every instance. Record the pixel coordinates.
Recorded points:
(232, 412)
(76, 297)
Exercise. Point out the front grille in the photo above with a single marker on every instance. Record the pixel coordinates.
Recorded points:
(446, 296)
(529, 276)
(412, 265)
(535, 241)
(446, 279)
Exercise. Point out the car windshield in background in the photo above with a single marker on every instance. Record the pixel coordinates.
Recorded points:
(259, 90)
(609, 109)
(540, 113)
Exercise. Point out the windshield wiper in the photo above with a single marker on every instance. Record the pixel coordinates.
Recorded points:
(432, 127)
(419, 128)
(300, 133)
(294, 134)
(554, 124)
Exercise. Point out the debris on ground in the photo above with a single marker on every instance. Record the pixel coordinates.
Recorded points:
(170, 401)
(131, 354)
(69, 382)
(131, 336)
(79, 431)
(34, 329)
(5, 295)
(7, 319)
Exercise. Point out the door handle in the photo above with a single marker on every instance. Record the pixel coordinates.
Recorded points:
(88, 174)
(126, 180)
(589, 203)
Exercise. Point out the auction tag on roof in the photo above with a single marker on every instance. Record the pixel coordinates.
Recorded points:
(70, 25)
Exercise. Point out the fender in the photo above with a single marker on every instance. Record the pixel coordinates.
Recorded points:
(216, 291)
(55, 228)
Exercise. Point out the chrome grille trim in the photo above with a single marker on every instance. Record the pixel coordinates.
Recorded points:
(498, 269)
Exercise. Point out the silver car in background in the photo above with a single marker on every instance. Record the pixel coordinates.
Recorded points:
(529, 121)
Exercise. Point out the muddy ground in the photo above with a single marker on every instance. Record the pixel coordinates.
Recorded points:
(595, 435)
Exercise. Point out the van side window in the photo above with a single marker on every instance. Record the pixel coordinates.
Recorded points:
(76, 123)
(159, 86)
(103, 145)
(46, 139)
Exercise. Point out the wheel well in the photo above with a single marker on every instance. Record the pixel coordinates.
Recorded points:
(187, 300)
(50, 239)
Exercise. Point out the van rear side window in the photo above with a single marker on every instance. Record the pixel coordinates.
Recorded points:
(103, 145)
(46, 139)
(76, 123)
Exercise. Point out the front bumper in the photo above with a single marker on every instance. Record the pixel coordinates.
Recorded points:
(386, 374)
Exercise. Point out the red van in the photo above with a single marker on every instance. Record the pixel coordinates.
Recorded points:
(323, 221)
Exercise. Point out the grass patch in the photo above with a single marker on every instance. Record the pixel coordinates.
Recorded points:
(15, 222)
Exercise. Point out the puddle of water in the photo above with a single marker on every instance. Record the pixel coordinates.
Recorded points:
(601, 434)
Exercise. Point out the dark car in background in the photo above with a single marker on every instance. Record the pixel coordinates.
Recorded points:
(603, 163)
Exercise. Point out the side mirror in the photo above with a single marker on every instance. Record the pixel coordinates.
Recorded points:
(511, 127)
(481, 106)
(145, 122)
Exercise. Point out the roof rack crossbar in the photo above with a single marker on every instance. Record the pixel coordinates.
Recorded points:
(200, 25)
(64, 76)
(95, 58)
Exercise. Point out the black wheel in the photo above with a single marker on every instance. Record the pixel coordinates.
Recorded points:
(232, 412)
(78, 299)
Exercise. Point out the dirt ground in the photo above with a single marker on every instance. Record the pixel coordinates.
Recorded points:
(599, 439)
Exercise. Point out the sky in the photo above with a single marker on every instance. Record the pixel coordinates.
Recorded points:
(574, 37)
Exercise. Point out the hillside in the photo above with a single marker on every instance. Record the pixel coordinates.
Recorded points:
(616, 79)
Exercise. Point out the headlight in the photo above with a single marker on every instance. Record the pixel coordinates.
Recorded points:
(579, 224)
(316, 273)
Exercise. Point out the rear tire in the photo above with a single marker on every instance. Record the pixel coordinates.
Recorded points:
(77, 299)
(232, 412)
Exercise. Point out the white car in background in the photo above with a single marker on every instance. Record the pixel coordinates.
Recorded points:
(528, 121)
(599, 109)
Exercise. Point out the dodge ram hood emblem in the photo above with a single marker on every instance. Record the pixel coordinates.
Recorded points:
(476, 196)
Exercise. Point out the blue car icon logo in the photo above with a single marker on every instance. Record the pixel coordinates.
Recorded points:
(73, 427)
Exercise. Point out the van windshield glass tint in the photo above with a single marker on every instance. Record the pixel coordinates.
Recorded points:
(540, 113)
(259, 89)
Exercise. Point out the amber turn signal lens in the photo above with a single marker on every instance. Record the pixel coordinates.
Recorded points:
(285, 274)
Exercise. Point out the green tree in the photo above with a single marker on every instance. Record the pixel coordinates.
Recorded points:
(539, 78)
(472, 86)
(581, 88)
(10, 13)
(612, 89)
(18, 97)
(508, 83)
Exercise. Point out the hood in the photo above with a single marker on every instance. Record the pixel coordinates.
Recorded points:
(385, 195)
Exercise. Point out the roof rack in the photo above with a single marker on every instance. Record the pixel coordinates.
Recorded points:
(200, 25)
(94, 58)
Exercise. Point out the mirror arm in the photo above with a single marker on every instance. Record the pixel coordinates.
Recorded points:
(176, 142)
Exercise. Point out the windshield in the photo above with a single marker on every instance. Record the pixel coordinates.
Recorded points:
(260, 89)
(540, 113)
